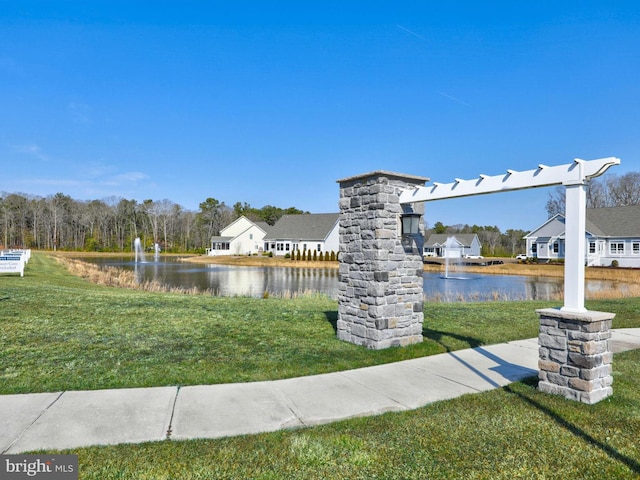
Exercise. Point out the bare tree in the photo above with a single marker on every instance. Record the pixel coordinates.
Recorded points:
(608, 191)
(624, 190)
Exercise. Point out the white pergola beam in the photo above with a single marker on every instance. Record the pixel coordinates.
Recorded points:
(579, 171)
(573, 176)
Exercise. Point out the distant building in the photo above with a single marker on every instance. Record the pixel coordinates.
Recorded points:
(612, 233)
(456, 245)
(309, 231)
(241, 237)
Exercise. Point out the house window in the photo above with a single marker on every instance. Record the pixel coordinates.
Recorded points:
(592, 247)
(555, 247)
(636, 248)
(287, 247)
(534, 248)
(280, 247)
(319, 247)
(616, 248)
(251, 236)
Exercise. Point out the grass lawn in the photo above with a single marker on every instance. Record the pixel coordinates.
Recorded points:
(513, 432)
(59, 332)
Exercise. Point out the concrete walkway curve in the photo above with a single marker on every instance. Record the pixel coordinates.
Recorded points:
(60, 420)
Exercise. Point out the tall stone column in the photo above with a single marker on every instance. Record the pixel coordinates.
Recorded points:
(380, 294)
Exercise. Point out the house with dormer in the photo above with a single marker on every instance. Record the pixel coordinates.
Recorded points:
(611, 233)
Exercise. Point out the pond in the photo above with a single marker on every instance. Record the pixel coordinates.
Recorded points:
(225, 280)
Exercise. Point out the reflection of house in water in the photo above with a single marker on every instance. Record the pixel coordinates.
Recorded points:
(231, 281)
(280, 281)
(544, 289)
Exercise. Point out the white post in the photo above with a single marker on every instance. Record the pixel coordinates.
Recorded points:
(574, 258)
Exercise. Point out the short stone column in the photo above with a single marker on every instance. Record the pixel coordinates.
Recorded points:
(575, 354)
(380, 294)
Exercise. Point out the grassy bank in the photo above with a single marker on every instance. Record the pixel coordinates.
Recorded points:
(61, 332)
(513, 432)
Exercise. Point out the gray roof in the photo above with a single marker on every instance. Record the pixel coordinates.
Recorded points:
(601, 222)
(614, 221)
(441, 238)
(263, 225)
(306, 226)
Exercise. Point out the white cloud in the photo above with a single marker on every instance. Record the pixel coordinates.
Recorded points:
(32, 150)
(131, 177)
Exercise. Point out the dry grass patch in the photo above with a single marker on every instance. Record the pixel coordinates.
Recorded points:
(259, 261)
(119, 277)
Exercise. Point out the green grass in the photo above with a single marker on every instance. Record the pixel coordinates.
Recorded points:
(513, 432)
(59, 332)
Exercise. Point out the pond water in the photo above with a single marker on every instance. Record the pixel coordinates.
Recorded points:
(281, 281)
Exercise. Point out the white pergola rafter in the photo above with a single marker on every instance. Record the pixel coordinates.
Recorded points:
(577, 172)
(573, 176)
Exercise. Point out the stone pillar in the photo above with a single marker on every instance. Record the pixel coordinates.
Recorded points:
(575, 354)
(380, 295)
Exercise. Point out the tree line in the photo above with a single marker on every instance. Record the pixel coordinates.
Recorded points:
(112, 224)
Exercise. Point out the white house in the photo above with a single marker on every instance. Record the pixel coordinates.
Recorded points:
(308, 231)
(452, 245)
(612, 233)
(241, 237)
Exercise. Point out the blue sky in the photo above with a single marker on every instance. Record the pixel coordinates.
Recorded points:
(271, 102)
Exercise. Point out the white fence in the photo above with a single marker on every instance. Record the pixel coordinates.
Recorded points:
(13, 261)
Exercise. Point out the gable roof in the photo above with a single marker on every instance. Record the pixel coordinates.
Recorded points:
(436, 239)
(305, 226)
(601, 222)
(552, 227)
(264, 226)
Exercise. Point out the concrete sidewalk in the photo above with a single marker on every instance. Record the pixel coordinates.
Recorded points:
(82, 418)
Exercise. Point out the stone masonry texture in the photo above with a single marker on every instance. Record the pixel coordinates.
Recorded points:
(380, 295)
(575, 354)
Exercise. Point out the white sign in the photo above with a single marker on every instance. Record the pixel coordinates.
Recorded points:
(12, 265)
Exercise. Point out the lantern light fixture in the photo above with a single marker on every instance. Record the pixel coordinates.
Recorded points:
(410, 224)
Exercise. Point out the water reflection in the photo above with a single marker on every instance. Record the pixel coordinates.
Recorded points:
(283, 281)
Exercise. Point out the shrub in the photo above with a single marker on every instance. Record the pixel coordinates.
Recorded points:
(615, 263)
